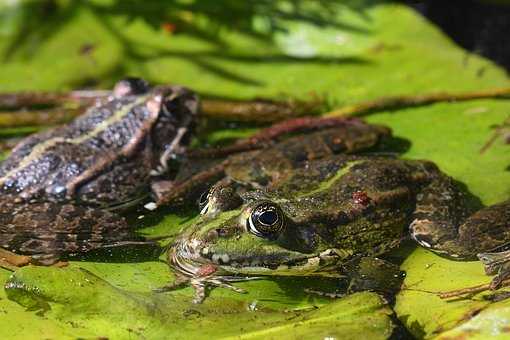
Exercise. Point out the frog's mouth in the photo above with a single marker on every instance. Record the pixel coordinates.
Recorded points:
(186, 260)
(202, 267)
(192, 259)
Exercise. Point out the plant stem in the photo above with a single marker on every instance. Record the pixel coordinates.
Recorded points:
(393, 103)
(471, 290)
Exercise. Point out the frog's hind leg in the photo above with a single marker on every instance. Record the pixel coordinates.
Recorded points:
(441, 208)
(46, 231)
(443, 223)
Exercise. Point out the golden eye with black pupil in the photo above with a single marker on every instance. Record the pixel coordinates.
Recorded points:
(266, 221)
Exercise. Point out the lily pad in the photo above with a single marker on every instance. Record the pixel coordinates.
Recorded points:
(76, 297)
(350, 51)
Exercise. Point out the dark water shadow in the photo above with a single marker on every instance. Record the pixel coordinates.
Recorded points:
(393, 147)
(121, 254)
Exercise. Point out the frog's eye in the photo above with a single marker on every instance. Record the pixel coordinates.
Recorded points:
(266, 220)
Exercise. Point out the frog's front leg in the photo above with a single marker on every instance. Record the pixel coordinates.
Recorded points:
(443, 223)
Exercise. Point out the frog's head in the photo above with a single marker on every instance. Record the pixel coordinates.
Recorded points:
(257, 238)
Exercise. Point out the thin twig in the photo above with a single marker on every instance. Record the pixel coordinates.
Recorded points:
(471, 290)
(19, 100)
(55, 116)
(498, 132)
(260, 110)
(398, 102)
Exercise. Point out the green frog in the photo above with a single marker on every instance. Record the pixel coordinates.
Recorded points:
(313, 205)
(59, 186)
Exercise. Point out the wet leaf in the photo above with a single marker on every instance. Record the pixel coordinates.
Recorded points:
(89, 304)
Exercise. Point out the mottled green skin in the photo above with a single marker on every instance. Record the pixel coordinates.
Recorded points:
(334, 209)
(321, 213)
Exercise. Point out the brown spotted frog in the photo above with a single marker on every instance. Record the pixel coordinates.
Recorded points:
(313, 205)
(59, 186)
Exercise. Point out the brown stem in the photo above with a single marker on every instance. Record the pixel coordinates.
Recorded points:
(20, 100)
(392, 103)
(261, 110)
(256, 110)
(10, 119)
(499, 131)
(471, 290)
(268, 135)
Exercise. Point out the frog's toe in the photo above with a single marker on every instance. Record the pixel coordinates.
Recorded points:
(496, 263)
(201, 285)
(200, 293)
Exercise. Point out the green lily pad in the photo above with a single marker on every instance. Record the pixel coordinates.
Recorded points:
(74, 296)
(428, 275)
(350, 51)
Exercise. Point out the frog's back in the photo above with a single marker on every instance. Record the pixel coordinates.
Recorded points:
(45, 162)
(346, 174)
(362, 205)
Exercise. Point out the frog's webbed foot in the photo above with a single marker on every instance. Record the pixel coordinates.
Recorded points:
(496, 264)
(201, 285)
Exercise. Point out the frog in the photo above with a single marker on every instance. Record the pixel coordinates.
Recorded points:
(62, 189)
(309, 206)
